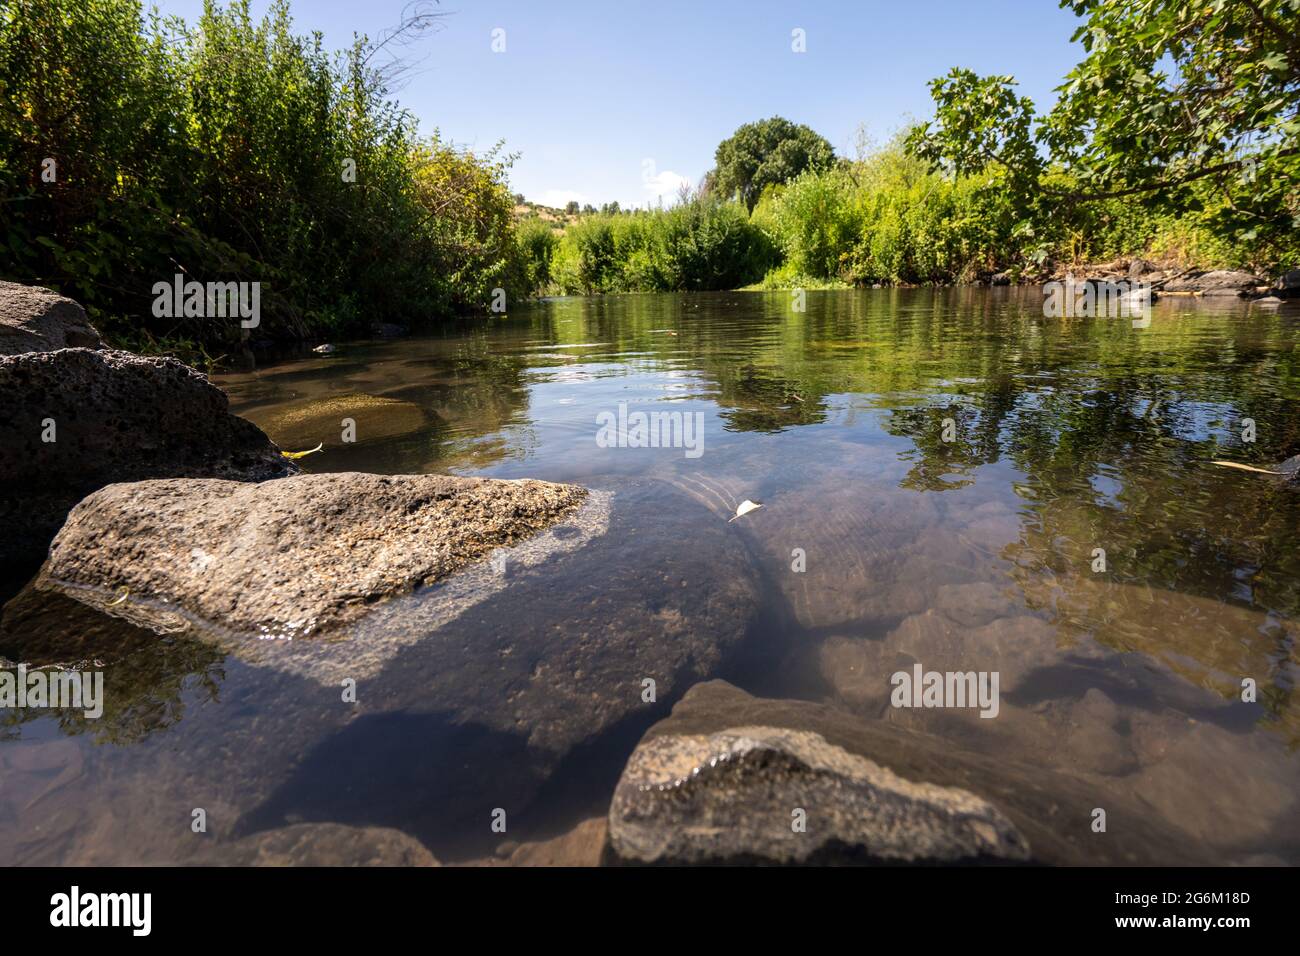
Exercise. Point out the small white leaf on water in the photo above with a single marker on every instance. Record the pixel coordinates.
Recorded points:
(745, 508)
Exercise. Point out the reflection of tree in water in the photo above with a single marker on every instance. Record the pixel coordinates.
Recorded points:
(1115, 447)
(1114, 468)
(1201, 571)
(941, 464)
(146, 675)
(756, 400)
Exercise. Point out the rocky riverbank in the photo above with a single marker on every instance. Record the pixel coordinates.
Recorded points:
(81, 416)
(1163, 278)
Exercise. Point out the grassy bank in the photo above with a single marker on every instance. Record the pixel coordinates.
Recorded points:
(883, 219)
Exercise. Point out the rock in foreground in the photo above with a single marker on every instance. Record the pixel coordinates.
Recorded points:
(524, 672)
(38, 320)
(287, 558)
(739, 794)
(721, 779)
(78, 419)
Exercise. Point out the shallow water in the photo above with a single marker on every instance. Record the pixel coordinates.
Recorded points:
(879, 544)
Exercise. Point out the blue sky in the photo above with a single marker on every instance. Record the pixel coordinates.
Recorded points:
(622, 100)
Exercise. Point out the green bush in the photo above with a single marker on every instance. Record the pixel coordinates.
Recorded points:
(888, 219)
(697, 245)
(536, 242)
(885, 219)
(222, 151)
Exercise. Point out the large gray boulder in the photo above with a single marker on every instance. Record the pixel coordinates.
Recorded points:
(78, 419)
(306, 555)
(721, 779)
(38, 320)
(484, 598)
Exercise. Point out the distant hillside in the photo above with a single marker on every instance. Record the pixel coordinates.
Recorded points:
(557, 218)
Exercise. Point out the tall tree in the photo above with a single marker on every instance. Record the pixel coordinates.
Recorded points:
(766, 153)
(1173, 102)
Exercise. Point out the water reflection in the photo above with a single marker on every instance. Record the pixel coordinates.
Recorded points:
(147, 676)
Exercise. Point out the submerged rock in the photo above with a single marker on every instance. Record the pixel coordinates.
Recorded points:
(295, 557)
(372, 418)
(556, 643)
(38, 320)
(529, 670)
(79, 419)
(324, 844)
(721, 778)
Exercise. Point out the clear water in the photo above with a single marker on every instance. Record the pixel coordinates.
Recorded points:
(979, 553)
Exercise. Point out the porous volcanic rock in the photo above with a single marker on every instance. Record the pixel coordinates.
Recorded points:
(79, 419)
(738, 794)
(33, 319)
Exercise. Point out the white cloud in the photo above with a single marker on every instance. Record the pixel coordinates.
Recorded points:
(666, 184)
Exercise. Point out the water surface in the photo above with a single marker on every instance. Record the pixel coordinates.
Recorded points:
(940, 474)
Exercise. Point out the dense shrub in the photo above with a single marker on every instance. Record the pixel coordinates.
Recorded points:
(536, 241)
(888, 219)
(885, 219)
(224, 151)
(700, 244)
